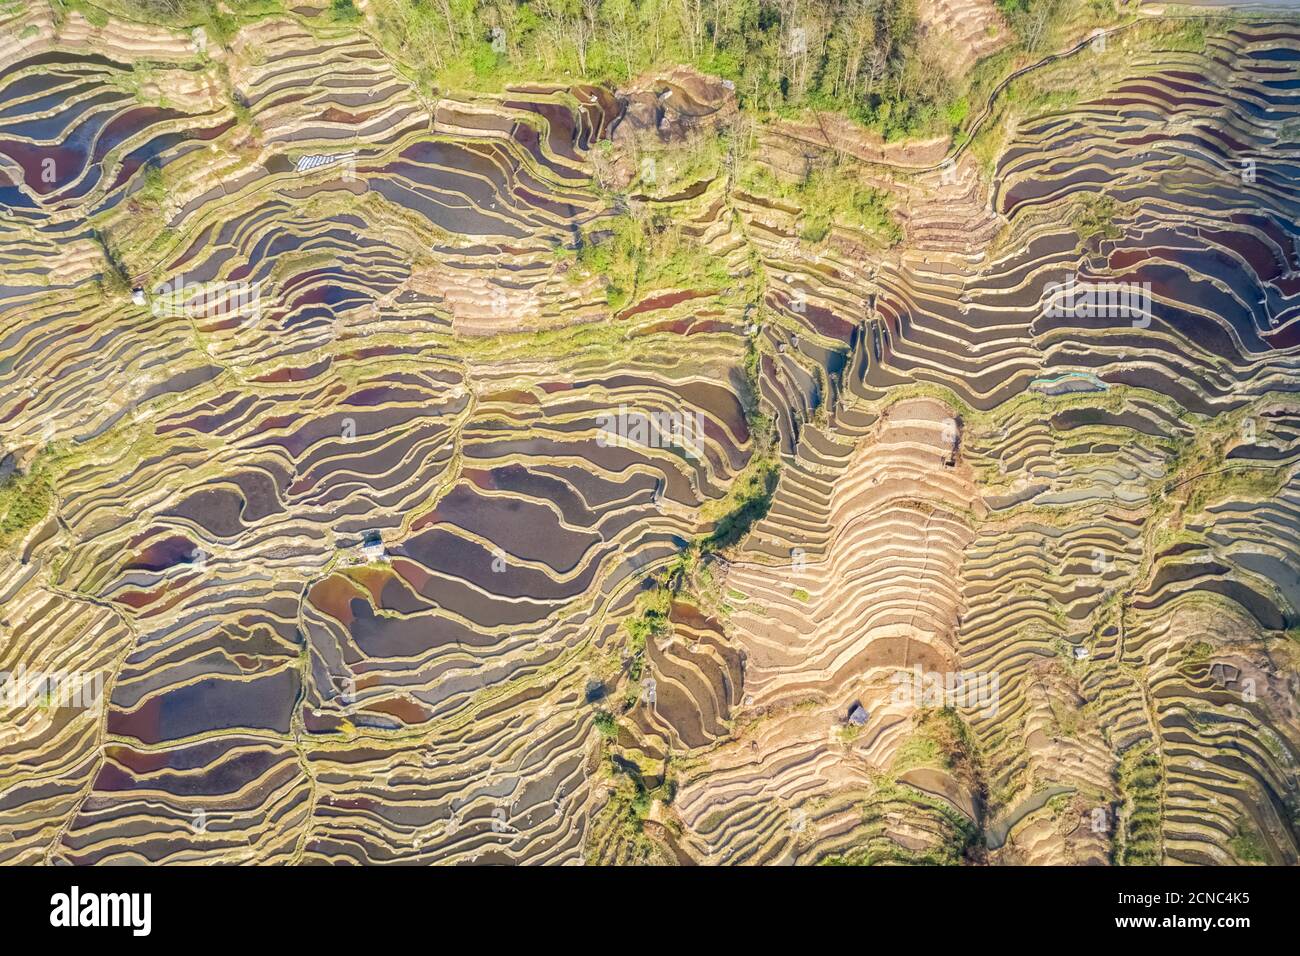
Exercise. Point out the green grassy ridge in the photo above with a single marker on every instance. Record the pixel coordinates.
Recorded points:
(637, 254)
(959, 838)
(864, 60)
(825, 199)
(1247, 845)
(861, 59)
(25, 500)
(617, 833)
(1061, 85)
(220, 19)
(1141, 778)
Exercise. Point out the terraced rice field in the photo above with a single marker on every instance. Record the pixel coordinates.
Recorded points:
(398, 516)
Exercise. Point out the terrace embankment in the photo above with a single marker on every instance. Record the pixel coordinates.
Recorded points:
(1126, 575)
(408, 467)
(844, 587)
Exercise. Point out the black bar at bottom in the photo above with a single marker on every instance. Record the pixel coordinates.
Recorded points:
(332, 907)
